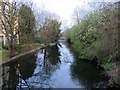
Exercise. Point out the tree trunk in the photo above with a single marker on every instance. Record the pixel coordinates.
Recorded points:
(11, 49)
(45, 57)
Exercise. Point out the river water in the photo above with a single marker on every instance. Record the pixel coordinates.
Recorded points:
(53, 67)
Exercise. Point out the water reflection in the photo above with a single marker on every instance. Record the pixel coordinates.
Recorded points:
(20, 69)
(51, 59)
(47, 62)
(13, 78)
(51, 67)
(61, 78)
(27, 65)
(10, 79)
(87, 74)
(53, 55)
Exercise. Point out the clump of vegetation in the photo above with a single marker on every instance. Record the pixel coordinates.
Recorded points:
(97, 35)
(26, 25)
(49, 32)
(23, 27)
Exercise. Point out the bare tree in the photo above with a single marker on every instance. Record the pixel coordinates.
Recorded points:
(100, 5)
(9, 23)
(78, 14)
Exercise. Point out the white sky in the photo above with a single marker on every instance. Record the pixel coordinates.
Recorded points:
(64, 8)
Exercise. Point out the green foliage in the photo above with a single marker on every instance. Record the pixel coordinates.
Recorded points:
(96, 35)
(49, 33)
(26, 24)
(4, 55)
(5, 47)
(83, 39)
(108, 66)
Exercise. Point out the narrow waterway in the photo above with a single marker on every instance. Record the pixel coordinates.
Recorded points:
(54, 67)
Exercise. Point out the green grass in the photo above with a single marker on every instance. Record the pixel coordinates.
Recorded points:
(4, 55)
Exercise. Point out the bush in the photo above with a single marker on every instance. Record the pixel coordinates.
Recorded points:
(5, 47)
(96, 33)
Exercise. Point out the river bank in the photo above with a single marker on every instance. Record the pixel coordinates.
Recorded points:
(24, 51)
(95, 38)
(12, 59)
(113, 75)
(54, 66)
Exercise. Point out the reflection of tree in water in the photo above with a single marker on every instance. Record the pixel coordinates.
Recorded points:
(27, 65)
(12, 77)
(21, 69)
(87, 74)
(51, 58)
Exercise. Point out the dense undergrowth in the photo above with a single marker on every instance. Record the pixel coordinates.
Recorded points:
(97, 35)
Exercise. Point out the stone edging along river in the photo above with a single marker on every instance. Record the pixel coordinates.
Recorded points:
(18, 56)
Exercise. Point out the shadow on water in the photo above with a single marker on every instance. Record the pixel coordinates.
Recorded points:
(20, 69)
(27, 65)
(47, 62)
(51, 59)
(87, 74)
(51, 67)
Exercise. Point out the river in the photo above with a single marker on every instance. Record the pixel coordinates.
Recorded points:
(52, 67)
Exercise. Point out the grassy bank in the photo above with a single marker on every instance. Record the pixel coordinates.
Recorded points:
(97, 35)
(4, 55)
(18, 50)
(21, 49)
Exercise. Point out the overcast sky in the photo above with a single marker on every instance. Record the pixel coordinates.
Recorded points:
(65, 8)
